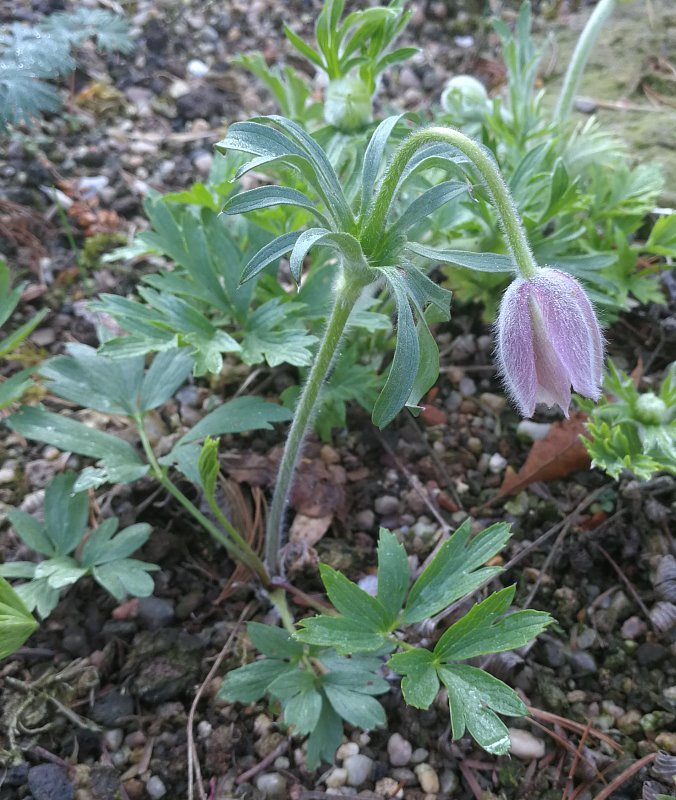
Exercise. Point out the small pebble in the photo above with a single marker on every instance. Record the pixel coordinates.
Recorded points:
(388, 787)
(347, 749)
(113, 739)
(386, 505)
(364, 520)
(428, 778)
(497, 463)
(467, 387)
(197, 68)
(449, 781)
(530, 431)
(419, 755)
(524, 745)
(336, 778)
(633, 628)
(359, 768)
(155, 787)
(155, 612)
(204, 729)
(272, 785)
(399, 750)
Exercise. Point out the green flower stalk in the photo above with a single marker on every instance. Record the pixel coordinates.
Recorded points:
(580, 57)
(484, 163)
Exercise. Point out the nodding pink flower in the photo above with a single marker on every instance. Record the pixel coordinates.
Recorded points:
(548, 338)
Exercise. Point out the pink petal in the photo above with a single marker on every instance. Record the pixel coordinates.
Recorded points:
(571, 329)
(552, 376)
(515, 347)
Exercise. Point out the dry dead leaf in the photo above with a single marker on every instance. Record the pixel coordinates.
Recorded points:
(308, 530)
(557, 455)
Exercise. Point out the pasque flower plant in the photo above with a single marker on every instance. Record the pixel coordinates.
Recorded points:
(547, 339)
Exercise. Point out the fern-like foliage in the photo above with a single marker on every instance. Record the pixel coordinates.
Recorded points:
(32, 56)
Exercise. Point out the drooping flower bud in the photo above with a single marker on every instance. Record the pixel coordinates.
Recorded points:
(548, 338)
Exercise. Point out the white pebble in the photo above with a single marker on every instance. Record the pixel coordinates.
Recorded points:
(388, 787)
(399, 750)
(497, 463)
(530, 431)
(428, 778)
(113, 739)
(197, 68)
(155, 787)
(204, 729)
(359, 768)
(419, 755)
(347, 749)
(336, 778)
(272, 785)
(524, 745)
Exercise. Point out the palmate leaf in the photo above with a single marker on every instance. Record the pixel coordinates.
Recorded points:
(325, 738)
(394, 573)
(66, 513)
(118, 462)
(270, 335)
(236, 416)
(487, 629)
(14, 388)
(39, 595)
(420, 684)
(23, 96)
(116, 386)
(16, 622)
(455, 571)
(124, 577)
(109, 30)
(35, 52)
(475, 699)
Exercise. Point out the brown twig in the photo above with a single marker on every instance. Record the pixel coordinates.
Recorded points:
(630, 586)
(281, 748)
(415, 485)
(576, 760)
(471, 780)
(550, 557)
(577, 727)
(624, 776)
(194, 771)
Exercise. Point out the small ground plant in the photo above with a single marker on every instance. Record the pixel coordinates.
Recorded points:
(31, 57)
(632, 430)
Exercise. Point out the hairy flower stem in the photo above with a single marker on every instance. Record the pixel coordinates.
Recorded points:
(579, 60)
(236, 546)
(347, 293)
(485, 165)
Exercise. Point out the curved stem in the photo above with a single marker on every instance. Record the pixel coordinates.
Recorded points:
(238, 548)
(346, 296)
(580, 57)
(490, 173)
